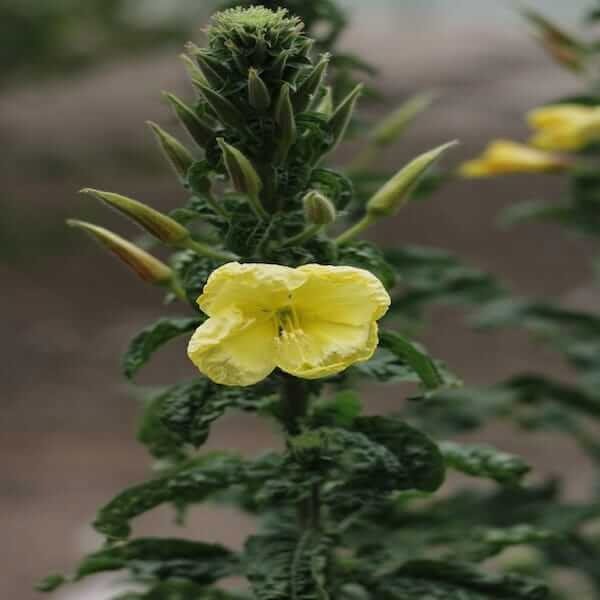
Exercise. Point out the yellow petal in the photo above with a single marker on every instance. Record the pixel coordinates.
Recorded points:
(558, 114)
(324, 348)
(234, 350)
(250, 288)
(341, 295)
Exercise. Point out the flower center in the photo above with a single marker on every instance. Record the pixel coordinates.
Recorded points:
(288, 323)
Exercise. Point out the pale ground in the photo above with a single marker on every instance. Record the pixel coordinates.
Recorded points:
(66, 434)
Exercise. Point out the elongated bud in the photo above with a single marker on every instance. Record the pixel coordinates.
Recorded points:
(318, 209)
(193, 70)
(562, 47)
(388, 200)
(394, 125)
(341, 117)
(177, 154)
(325, 106)
(206, 65)
(243, 175)
(161, 226)
(258, 93)
(200, 132)
(145, 265)
(309, 87)
(286, 119)
(225, 110)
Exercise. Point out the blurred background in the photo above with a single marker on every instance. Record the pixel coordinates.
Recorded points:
(78, 80)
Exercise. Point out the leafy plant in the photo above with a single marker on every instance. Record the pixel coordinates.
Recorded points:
(286, 328)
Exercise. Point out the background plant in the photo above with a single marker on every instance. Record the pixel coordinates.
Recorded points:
(339, 504)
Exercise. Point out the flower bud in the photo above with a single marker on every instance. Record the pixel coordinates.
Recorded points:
(562, 47)
(394, 124)
(177, 154)
(341, 117)
(206, 65)
(243, 175)
(200, 132)
(286, 119)
(161, 226)
(258, 93)
(396, 191)
(318, 209)
(309, 87)
(225, 110)
(193, 70)
(145, 265)
(325, 106)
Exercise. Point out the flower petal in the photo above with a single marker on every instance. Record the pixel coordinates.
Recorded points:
(250, 288)
(323, 348)
(232, 350)
(341, 295)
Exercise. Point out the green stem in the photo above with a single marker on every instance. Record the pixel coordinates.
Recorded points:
(258, 208)
(356, 229)
(176, 287)
(294, 406)
(303, 236)
(208, 251)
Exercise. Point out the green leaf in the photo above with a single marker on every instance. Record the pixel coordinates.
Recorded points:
(193, 481)
(153, 337)
(50, 583)
(339, 410)
(421, 463)
(422, 364)
(163, 558)
(429, 275)
(385, 367)
(288, 565)
(484, 461)
(422, 579)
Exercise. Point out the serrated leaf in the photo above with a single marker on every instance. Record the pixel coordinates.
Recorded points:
(417, 580)
(484, 461)
(191, 482)
(421, 463)
(163, 558)
(152, 338)
(288, 565)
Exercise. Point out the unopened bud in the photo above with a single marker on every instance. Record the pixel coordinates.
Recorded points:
(207, 65)
(310, 86)
(562, 47)
(201, 132)
(318, 209)
(145, 265)
(397, 190)
(223, 108)
(325, 106)
(193, 70)
(161, 226)
(343, 114)
(243, 175)
(258, 93)
(395, 124)
(286, 119)
(177, 154)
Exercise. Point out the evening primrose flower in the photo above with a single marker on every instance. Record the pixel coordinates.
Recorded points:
(504, 156)
(311, 322)
(564, 126)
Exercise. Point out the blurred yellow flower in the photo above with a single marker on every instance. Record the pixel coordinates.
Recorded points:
(311, 322)
(564, 126)
(504, 156)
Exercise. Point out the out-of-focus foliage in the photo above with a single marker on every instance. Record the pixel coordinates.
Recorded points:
(48, 37)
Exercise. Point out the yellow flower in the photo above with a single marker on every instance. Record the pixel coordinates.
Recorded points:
(564, 126)
(311, 322)
(504, 156)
